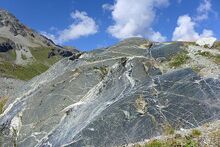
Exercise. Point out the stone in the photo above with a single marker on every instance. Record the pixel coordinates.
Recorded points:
(131, 102)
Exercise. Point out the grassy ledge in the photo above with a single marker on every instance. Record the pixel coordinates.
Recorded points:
(215, 58)
(177, 140)
(179, 59)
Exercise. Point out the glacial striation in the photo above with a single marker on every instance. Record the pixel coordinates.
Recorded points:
(113, 96)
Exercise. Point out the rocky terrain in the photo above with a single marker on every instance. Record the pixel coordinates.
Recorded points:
(24, 54)
(135, 93)
(205, 135)
(116, 96)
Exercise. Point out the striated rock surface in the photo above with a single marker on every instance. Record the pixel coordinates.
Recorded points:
(111, 97)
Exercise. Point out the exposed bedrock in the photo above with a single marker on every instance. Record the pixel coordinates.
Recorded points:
(109, 97)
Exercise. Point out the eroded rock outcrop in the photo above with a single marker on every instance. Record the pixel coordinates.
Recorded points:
(110, 97)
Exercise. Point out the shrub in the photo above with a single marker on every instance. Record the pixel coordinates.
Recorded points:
(154, 143)
(103, 70)
(12, 53)
(196, 133)
(206, 46)
(191, 143)
(204, 53)
(179, 59)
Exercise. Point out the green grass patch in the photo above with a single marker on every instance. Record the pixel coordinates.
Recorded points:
(173, 142)
(3, 101)
(179, 59)
(196, 133)
(12, 53)
(155, 143)
(27, 72)
(41, 55)
(204, 53)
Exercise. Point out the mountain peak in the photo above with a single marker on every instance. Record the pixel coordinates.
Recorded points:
(12, 28)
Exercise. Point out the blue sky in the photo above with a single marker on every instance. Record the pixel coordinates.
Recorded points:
(90, 24)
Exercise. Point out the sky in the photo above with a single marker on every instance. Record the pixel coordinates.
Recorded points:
(91, 24)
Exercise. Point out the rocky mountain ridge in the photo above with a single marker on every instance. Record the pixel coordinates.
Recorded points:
(13, 29)
(24, 51)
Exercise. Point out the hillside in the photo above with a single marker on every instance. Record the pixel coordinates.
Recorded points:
(24, 53)
(130, 92)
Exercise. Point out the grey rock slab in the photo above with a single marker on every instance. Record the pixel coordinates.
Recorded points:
(166, 50)
(119, 99)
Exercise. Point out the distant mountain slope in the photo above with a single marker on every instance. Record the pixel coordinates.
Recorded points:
(24, 53)
(21, 35)
(126, 93)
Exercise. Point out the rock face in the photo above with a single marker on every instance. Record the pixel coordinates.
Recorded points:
(206, 42)
(7, 86)
(13, 29)
(6, 45)
(109, 97)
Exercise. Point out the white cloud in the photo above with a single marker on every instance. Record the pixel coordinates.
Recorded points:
(156, 36)
(107, 7)
(203, 10)
(135, 18)
(207, 33)
(83, 25)
(185, 31)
